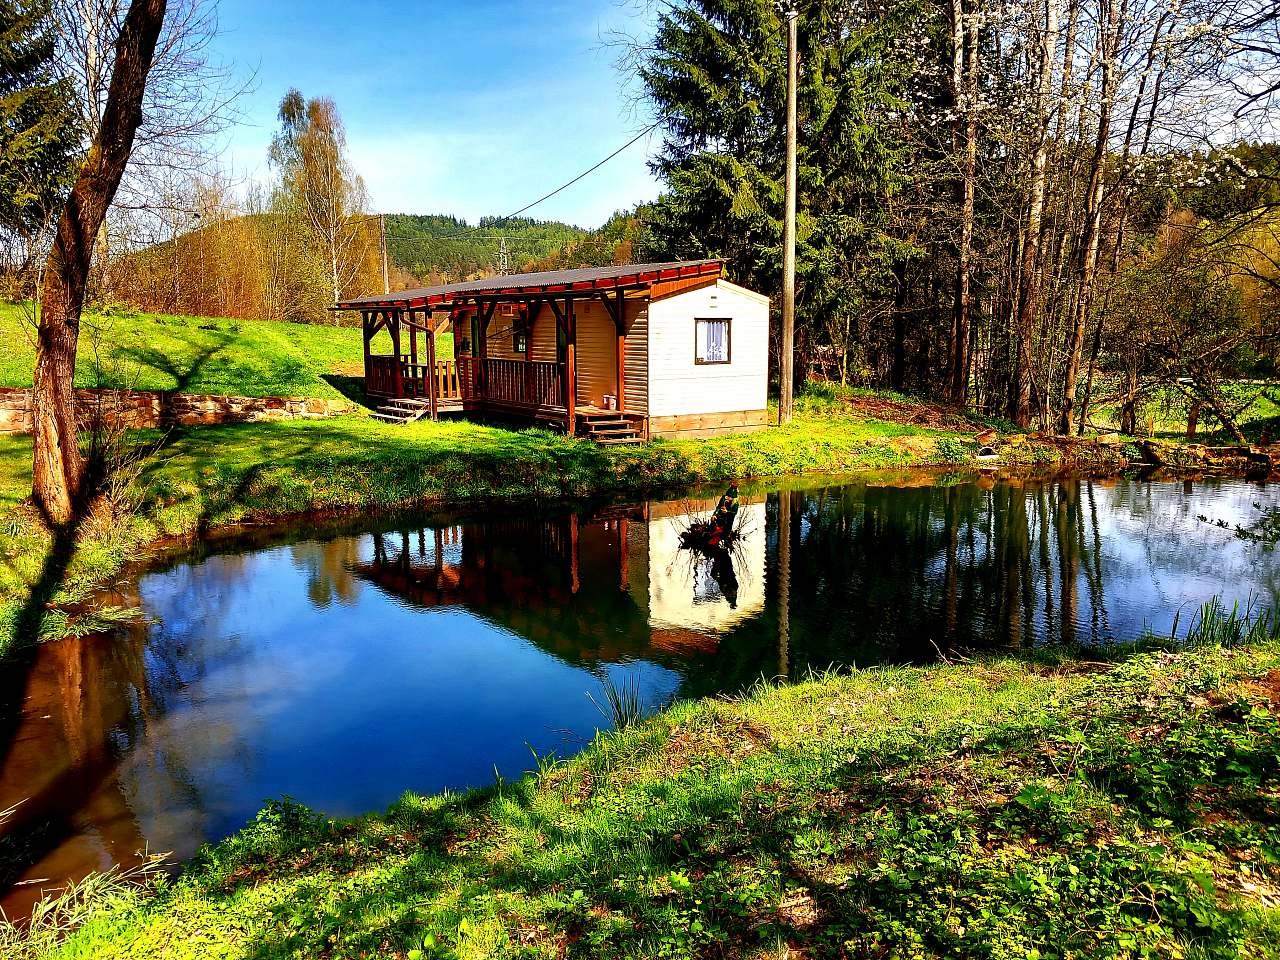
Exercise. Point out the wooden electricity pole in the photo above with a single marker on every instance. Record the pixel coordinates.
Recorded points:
(382, 239)
(786, 357)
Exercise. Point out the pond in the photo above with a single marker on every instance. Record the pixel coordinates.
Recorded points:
(343, 665)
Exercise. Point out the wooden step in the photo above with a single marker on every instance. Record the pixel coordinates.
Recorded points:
(618, 440)
(389, 417)
(602, 428)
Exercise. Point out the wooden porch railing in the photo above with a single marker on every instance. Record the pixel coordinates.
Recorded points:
(415, 378)
(448, 386)
(526, 383)
(380, 376)
(536, 384)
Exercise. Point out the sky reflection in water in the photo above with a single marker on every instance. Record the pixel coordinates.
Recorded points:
(342, 667)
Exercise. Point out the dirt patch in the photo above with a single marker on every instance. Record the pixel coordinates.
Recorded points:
(934, 416)
(730, 737)
(1264, 688)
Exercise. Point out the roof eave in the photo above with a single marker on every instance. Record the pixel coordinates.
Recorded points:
(630, 281)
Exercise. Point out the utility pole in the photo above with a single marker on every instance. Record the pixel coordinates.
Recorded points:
(786, 358)
(504, 257)
(382, 237)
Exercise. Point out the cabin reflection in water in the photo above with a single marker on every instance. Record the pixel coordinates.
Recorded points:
(613, 586)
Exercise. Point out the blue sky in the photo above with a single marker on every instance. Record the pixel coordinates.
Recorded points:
(469, 108)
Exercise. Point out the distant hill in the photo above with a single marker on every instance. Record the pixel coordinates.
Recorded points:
(257, 267)
(436, 248)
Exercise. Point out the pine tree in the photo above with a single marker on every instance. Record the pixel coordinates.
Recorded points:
(39, 145)
(717, 71)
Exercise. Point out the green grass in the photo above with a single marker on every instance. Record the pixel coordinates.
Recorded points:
(250, 358)
(201, 478)
(994, 810)
(1165, 417)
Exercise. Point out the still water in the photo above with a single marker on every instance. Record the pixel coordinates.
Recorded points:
(344, 665)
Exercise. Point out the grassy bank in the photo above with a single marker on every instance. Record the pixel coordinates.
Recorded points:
(201, 478)
(993, 810)
(146, 351)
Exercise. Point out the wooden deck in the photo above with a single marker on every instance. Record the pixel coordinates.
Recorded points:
(409, 390)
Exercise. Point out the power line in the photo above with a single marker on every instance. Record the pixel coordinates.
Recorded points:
(590, 170)
(772, 35)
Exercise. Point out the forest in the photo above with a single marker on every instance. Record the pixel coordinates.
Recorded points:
(1034, 208)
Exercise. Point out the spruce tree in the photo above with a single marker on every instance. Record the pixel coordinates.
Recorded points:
(716, 70)
(39, 145)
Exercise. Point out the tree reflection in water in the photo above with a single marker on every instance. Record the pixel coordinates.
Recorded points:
(348, 663)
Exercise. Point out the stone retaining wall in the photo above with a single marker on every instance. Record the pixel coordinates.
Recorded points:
(151, 408)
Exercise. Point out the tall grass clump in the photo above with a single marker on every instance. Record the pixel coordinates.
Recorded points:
(622, 706)
(60, 913)
(1216, 625)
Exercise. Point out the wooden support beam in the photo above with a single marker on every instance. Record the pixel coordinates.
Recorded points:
(620, 322)
(484, 313)
(571, 372)
(393, 325)
(611, 307)
(413, 340)
(433, 402)
(555, 308)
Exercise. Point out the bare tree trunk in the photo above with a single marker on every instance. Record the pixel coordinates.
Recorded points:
(1029, 294)
(57, 463)
(965, 92)
(1108, 27)
(1193, 419)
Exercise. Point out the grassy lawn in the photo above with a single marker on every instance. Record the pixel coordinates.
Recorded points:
(1166, 418)
(995, 810)
(249, 358)
(200, 478)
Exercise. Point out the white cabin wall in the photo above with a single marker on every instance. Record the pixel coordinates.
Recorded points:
(677, 385)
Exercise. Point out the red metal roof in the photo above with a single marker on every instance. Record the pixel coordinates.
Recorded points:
(548, 282)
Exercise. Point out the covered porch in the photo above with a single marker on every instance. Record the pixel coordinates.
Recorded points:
(548, 347)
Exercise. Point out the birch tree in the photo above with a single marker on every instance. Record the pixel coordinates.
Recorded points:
(319, 185)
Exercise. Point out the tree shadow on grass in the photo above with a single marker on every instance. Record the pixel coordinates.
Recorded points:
(182, 373)
(350, 387)
(615, 872)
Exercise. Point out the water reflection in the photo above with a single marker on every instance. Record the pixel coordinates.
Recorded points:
(344, 666)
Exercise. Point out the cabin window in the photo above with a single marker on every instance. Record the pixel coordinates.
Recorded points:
(711, 340)
(519, 341)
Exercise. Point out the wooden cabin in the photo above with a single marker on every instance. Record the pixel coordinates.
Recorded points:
(618, 353)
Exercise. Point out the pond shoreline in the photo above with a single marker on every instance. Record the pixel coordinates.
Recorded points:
(852, 813)
(195, 493)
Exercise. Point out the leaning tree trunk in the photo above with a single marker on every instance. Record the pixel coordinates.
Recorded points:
(1107, 40)
(57, 464)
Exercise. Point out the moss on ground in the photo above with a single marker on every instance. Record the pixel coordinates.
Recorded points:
(992, 810)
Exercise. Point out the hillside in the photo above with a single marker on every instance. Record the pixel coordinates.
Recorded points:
(253, 358)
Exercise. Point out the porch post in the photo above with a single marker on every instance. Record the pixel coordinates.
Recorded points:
(484, 313)
(393, 321)
(413, 352)
(571, 372)
(364, 326)
(432, 402)
(482, 351)
(620, 322)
